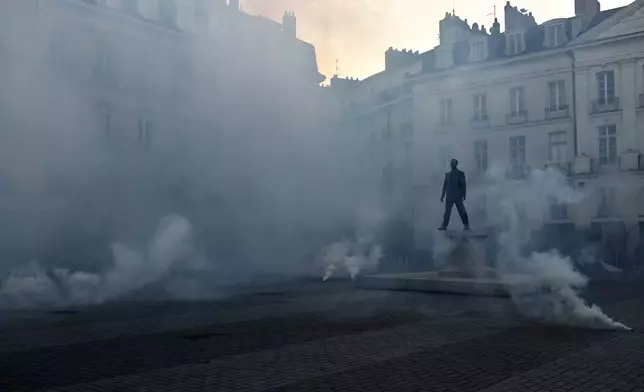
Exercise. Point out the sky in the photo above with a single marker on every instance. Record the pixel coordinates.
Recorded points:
(356, 33)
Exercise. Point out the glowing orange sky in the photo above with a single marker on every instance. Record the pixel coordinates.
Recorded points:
(357, 32)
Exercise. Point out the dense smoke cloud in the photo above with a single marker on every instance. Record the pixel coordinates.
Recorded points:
(244, 159)
(255, 185)
(544, 285)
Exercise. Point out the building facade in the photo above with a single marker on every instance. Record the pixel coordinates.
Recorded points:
(566, 93)
(132, 86)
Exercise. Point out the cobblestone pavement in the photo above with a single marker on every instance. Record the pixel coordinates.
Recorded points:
(314, 337)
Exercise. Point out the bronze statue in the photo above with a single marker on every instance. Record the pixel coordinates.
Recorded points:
(455, 188)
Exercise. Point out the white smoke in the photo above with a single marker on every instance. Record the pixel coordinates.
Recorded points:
(441, 249)
(544, 285)
(34, 286)
(352, 256)
(590, 256)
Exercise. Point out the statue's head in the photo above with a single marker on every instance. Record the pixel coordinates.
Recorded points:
(453, 163)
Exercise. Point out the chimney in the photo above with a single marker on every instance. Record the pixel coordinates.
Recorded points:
(289, 24)
(585, 11)
(587, 7)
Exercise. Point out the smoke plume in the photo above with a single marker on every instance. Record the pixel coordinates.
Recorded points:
(543, 285)
(36, 286)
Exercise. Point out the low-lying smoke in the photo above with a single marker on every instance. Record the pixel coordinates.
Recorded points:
(37, 286)
(544, 285)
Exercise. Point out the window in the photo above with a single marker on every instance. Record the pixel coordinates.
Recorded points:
(517, 103)
(445, 155)
(607, 144)
(130, 6)
(558, 210)
(168, 12)
(478, 50)
(407, 132)
(106, 124)
(103, 68)
(480, 155)
(480, 107)
(606, 87)
(607, 201)
(556, 95)
(555, 34)
(558, 147)
(4, 57)
(144, 133)
(515, 44)
(446, 111)
(60, 51)
(517, 154)
(388, 177)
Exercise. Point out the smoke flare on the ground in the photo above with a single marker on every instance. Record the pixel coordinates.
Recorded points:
(545, 285)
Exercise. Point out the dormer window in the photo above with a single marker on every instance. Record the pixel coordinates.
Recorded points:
(515, 43)
(555, 35)
(478, 51)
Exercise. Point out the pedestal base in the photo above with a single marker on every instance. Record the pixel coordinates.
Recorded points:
(468, 273)
(433, 282)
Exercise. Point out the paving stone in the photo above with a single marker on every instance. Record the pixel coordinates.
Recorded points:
(275, 368)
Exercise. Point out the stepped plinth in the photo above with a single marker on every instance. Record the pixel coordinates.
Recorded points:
(466, 270)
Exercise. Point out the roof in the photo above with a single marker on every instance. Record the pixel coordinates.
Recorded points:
(602, 16)
(534, 40)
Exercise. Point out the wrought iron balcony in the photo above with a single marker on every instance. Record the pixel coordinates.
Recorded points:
(519, 117)
(518, 171)
(480, 121)
(564, 167)
(602, 105)
(554, 112)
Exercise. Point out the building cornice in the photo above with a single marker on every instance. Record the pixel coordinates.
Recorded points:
(423, 77)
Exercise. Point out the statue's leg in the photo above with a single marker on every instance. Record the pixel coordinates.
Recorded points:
(463, 213)
(448, 212)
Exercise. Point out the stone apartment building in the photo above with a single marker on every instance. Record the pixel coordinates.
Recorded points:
(137, 80)
(566, 93)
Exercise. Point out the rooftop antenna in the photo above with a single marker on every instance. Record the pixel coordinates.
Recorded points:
(454, 7)
(494, 13)
(337, 67)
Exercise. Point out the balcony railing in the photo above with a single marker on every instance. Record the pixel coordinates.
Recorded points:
(444, 125)
(519, 117)
(564, 167)
(480, 121)
(553, 113)
(605, 165)
(518, 171)
(602, 105)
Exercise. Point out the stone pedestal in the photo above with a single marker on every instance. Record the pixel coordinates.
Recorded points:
(466, 271)
(468, 257)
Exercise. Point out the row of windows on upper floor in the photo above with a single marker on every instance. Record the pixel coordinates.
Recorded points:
(145, 128)
(555, 35)
(556, 106)
(558, 151)
(175, 14)
(102, 65)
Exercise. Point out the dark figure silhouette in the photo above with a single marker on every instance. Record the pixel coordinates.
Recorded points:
(455, 188)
